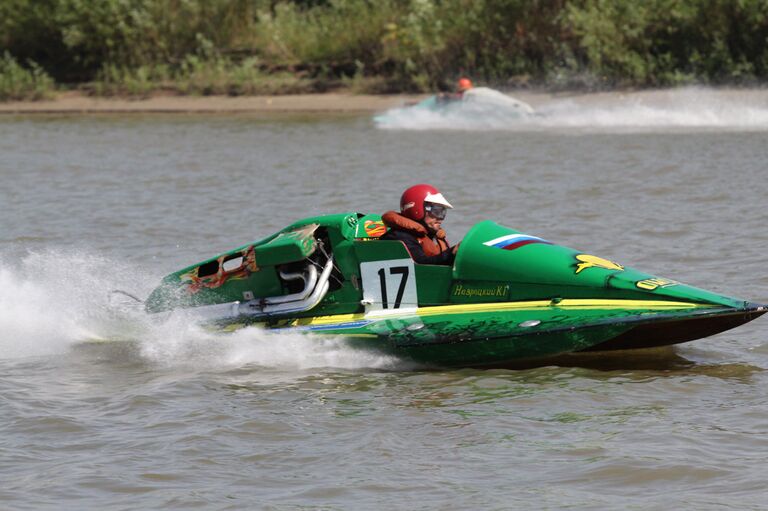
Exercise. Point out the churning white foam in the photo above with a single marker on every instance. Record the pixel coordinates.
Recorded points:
(684, 109)
(172, 344)
(51, 301)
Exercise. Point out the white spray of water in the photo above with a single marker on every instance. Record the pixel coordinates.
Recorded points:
(48, 302)
(675, 110)
(175, 344)
(52, 301)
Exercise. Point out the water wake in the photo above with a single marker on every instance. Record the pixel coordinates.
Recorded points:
(188, 345)
(51, 302)
(685, 109)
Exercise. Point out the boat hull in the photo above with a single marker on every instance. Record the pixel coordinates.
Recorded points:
(494, 335)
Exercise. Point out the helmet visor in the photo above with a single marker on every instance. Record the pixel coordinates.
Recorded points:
(437, 211)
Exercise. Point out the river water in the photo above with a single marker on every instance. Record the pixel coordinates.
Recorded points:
(113, 412)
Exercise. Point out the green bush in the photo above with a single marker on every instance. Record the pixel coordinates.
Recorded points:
(334, 34)
(18, 82)
(197, 76)
(668, 42)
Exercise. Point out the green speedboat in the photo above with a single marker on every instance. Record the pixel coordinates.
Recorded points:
(508, 297)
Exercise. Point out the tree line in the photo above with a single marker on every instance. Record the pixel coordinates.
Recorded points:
(283, 46)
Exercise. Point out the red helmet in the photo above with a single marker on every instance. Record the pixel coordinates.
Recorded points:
(464, 84)
(413, 199)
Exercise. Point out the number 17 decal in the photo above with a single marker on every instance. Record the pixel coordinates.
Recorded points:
(389, 284)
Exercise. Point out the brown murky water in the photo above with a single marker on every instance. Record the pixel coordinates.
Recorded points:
(107, 412)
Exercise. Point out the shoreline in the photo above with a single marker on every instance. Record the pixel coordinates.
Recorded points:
(76, 103)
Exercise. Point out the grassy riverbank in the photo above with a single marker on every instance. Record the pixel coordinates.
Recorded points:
(330, 102)
(251, 47)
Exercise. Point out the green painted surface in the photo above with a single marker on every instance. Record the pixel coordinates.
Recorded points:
(286, 247)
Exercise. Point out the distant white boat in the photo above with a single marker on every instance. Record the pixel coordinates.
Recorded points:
(477, 103)
(486, 96)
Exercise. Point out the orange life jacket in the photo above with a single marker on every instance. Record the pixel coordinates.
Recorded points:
(431, 247)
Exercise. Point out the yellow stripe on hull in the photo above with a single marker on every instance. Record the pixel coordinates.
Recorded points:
(581, 304)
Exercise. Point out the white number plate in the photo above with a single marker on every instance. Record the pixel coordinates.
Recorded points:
(389, 284)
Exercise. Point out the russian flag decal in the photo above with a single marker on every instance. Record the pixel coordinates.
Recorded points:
(513, 241)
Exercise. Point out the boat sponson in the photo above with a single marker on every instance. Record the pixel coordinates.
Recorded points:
(473, 336)
(680, 330)
(632, 332)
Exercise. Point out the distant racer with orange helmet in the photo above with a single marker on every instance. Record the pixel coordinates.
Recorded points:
(462, 86)
(419, 225)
